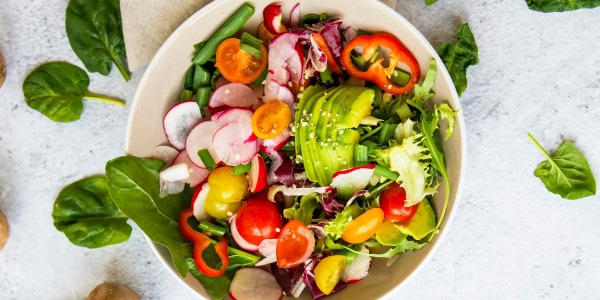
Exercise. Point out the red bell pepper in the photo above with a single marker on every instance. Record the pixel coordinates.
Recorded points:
(376, 72)
(201, 242)
(331, 62)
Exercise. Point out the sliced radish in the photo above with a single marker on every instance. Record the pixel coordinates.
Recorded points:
(306, 191)
(221, 81)
(179, 120)
(276, 162)
(197, 174)
(316, 56)
(272, 15)
(237, 237)
(295, 16)
(198, 201)
(233, 95)
(295, 64)
(243, 115)
(348, 181)
(271, 145)
(280, 75)
(267, 249)
(250, 283)
(281, 48)
(165, 153)
(201, 138)
(170, 188)
(274, 91)
(258, 174)
(359, 268)
(178, 172)
(231, 144)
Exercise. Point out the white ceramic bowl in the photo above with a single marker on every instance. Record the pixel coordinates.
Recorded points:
(163, 80)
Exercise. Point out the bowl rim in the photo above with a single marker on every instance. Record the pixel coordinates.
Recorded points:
(450, 215)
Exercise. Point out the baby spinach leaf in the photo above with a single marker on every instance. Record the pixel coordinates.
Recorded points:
(429, 2)
(566, 173)
(56, 89)
(561, 5)
(95, 33)
(85, 213)
(134, 187)
(217, 287)
(459, 56)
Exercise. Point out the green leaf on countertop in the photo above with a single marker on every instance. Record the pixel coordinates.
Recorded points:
(561, 5)
(95, 33)
(459, 56)
(86, 214)
(566, 172)
(429, 2)
(133, 184)
(56, 90)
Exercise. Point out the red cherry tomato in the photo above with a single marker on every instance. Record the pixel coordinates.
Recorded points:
(295, 245)
(392, 202)
(258, 219)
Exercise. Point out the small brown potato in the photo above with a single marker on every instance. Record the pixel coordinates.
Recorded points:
(113, 291)
(2, 75)
(3, 230)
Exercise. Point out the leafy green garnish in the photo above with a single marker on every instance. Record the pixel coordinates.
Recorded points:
(429, 2)
(405, 245)
(56, 89)
(566, 173)
(133, 185)
(303, 210)
(335, 228)
(459, 56)
(95, 34)
(85, 213)
(561, 5)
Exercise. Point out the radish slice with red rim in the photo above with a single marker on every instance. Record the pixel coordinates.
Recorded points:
(179, 121)
(274, 91)
(243, 115)
(177, 172)
(237, 237)
(198, 201)
(269, 146)
(272, 15)
(251, 283)
(197, 174)
(359, 268)
(349, 181)
(295, 16)
(258, 174)
(232, 146)
(233, 95)
(280, 75)
(267, 249)
(201, 138)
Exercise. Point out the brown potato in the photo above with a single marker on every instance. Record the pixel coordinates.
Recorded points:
(2, 76)
(112, 290)
(3, 230)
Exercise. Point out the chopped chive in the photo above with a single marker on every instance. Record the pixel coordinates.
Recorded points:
(361, 155)
(199, 45)
(310, 19)
(251, 50)
(374, 131)
(231, 26)
(326, 77)
(387, 132)
(259, 81)
(403, 111)
(201, 77)
(323, 17)
(378, 99)
(400, 77)
(213, 79)
(202, 96)
(385, 172)
(358, 61)
(188, 80)
(212, 228)
(207, 159)
(248, 39)
(186, 95)
(241, 169)
(375, 56)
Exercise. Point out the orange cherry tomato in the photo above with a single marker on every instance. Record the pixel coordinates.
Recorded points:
(265, 35)
(363, 227)
(237, 65)
(295, 244)
(271, 119)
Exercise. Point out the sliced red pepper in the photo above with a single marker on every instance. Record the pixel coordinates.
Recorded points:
(331, 62)
(201, 242)
(376, 72)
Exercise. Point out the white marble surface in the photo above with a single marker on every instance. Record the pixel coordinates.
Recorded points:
(511, 239)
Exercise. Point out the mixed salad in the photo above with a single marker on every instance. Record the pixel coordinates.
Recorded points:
(311, 148)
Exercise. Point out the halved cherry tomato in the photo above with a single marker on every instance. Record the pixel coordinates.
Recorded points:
(393, 201)
(218, 209)
(271, 119)
(265, 35)
(295, 244)
(227, 187)
(328, 272)
(258, 219)
(237, 65)
(363, 227)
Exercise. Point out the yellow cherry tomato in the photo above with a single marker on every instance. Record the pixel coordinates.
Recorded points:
(363, 227)
(271, 119)
(328, 272)
(219, 209)
(227, 187)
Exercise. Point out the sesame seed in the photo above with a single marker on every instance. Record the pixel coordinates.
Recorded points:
(227, 91)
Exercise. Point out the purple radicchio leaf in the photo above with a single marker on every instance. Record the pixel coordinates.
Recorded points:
(331, 205)
(281, 170)
(288, 279)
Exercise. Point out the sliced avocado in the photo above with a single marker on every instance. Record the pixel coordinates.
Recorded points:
(356, 107)
(324, 142)
(421, 224)
(302, 136)
(321, 163)
(300, 112)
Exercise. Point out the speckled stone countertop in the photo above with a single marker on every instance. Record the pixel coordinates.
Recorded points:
(511, 239)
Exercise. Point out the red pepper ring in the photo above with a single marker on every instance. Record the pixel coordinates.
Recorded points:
(376, 72)
(201, 242)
